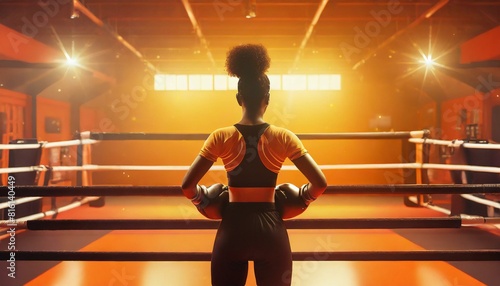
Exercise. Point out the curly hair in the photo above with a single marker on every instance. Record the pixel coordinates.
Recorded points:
(250, 60)
(250, 63)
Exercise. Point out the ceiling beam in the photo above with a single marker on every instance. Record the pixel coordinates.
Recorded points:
(199, 33)
(80, 7)
(309, 32)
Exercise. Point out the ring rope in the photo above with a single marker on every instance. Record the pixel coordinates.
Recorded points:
(19, 146)
(406, 189)
(48, 144)
(22, 169)
(34, 217)
(455, 143)
(90, 167)
(5, 205)
(445, 211)
(411, 255)
(462, 168)
(195, 224)
(304, 136)
(481, 201)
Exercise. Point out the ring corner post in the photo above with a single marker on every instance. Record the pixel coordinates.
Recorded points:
(79, 160)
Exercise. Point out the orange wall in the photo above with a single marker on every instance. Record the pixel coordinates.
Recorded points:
(89, 118)
(481, 48)
(451, 125)
(427, 118)
(54, 109)
(202, 112)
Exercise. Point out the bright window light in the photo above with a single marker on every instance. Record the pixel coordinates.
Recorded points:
(329, 82)
(323, 82)
(220, 82)
(170, 82)
(313, 82)
(194, 82)
(160, 82)
(294, 82)
(181, 82)
(207, 82)
(275, 80)
(233, 83)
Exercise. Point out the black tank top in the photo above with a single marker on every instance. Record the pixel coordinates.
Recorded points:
(251, 172)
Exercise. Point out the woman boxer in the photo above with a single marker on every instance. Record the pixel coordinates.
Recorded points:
(253, 152)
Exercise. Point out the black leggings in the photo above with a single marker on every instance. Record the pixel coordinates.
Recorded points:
(251, 231)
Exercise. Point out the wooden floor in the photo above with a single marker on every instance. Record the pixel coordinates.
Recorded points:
(314, 273)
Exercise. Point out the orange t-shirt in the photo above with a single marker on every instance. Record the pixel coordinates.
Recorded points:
(236, 145)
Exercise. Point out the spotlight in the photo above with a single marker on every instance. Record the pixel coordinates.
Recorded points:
(71, 62)
(251, 9)
(429, 62)
(75, 14)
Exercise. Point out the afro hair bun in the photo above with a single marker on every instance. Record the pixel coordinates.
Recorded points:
(248, 60)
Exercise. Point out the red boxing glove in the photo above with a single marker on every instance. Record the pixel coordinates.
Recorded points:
(291, 200)
(211, 201)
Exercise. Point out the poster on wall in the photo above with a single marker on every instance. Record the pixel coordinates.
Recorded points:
(52, 125)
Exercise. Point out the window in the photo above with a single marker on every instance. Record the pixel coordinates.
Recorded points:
(224, 82)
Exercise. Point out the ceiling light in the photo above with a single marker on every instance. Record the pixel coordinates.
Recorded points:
(75, 14)
(251, 9)
(429, 62)
(71, 62)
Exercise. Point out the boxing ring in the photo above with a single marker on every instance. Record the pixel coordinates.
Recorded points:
(414, 193)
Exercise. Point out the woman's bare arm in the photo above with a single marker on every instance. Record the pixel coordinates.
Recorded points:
(317, 180)
(198, 169)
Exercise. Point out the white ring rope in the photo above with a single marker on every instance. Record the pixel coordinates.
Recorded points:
(455, 143)
(414, 200)
(285, 167)
(221, 168)
(19, 146)
(461, 167)
(418, 134)
(70, 143)
(56, 211)
(91, 167)
(481, 201)
(466, 219)
(22, 169)
(48, 144)
(18, 202)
